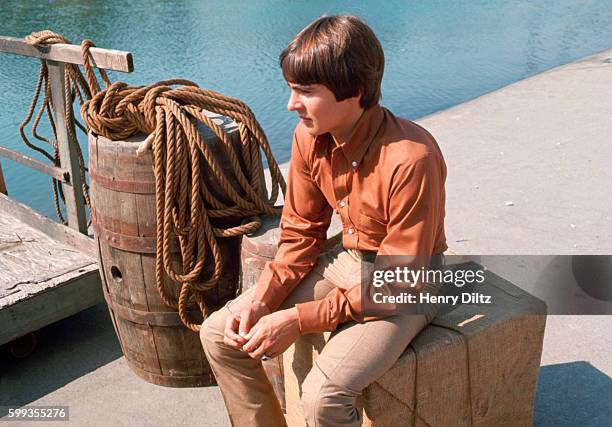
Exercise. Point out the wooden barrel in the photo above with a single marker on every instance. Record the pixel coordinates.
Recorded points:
(156, 345)
(257, 249)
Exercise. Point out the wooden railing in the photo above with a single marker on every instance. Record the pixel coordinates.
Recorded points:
(56, 56)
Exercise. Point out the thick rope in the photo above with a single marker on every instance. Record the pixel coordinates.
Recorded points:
(169, 112)
(75, 87)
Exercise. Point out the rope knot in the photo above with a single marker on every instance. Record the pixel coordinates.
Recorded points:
(44, 37)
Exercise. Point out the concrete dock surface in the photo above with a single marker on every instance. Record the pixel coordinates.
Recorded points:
(528, 174)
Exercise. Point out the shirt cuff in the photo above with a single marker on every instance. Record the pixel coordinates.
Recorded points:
(313, 316)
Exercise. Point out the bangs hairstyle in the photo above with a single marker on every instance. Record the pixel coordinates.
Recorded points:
(340, 52)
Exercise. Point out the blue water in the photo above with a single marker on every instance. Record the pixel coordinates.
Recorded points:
(438, 53)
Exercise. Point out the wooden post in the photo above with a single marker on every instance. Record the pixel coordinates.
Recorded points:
(73, 190)
(2, 183)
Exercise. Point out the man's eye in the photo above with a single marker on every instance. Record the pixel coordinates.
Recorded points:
(302, 90)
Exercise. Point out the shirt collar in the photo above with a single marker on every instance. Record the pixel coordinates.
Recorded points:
(366, 128)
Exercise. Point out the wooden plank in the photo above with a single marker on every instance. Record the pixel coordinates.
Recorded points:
(51, 228)
(109, 59)
(73, 192)
(30, 260)
(2, 183)
(57, 173)
(76, 294)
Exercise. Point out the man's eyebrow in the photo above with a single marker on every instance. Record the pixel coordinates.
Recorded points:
(298, 86)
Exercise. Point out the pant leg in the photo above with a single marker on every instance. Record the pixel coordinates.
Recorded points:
(249, 397)
(355, 356)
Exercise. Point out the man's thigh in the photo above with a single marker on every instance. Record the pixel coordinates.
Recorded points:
(317, 284)
(313, 287)
(357, 354)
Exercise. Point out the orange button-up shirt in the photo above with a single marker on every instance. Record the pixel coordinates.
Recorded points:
(386, 181)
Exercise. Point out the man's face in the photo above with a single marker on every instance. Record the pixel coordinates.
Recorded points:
(318, 109)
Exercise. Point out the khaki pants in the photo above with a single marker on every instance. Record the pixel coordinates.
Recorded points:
(354, 356)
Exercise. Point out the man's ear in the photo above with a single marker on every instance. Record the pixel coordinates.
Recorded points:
(359, 95)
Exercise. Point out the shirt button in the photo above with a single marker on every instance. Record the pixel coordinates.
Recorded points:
(351, 230)
(354, 164)
(342, 203)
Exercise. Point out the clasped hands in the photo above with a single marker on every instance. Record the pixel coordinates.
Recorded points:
(258, 332)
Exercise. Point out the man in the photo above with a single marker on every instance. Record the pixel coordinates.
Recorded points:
(385, 178)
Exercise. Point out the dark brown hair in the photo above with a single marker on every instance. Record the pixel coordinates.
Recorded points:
(340, 52)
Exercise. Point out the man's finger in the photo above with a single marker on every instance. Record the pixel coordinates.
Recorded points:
(260, 351)
(254, 328)
(231, 343)
(230, 337)
(231, 324)
(250, 334)
(245, 322)
(254, 340)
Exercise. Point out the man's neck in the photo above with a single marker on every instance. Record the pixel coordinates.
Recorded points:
(343, 134)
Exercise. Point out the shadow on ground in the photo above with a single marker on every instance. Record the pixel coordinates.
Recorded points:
(568, 394)
(573, 394)
(65, 351)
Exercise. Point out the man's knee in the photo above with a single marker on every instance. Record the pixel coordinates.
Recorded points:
(325, 403)
(212, 331)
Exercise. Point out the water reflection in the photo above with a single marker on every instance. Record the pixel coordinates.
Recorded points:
(438, 53)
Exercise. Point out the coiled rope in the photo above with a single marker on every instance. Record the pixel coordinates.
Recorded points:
(170, 115)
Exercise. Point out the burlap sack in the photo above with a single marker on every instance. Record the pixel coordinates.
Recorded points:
(475, 366)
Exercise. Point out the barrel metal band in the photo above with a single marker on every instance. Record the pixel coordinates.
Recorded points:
(146, 245)
(125, 186)
(160, 318)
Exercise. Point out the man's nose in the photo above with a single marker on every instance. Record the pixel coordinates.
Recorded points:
(294, 103)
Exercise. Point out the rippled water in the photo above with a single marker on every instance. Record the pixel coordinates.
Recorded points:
(438, 53)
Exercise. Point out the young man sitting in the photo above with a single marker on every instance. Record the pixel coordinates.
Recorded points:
(385, 177)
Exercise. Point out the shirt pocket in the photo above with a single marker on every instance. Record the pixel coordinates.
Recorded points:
(372, 226)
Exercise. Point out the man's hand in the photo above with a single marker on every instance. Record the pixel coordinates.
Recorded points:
(239, 324)
(273, 334)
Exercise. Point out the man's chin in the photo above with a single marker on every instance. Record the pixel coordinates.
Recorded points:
(312, 131)
(310, 128)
